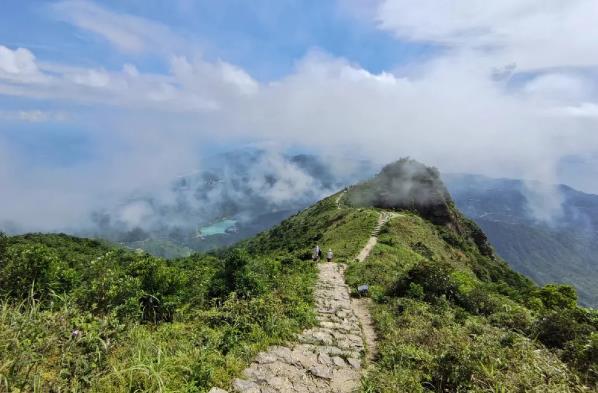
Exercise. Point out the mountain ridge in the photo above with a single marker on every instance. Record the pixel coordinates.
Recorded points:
(449, 314)
(563, 250)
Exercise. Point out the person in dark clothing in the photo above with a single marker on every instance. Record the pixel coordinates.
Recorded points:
(317, 253)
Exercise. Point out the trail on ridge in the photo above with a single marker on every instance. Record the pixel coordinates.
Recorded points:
(383, 219)
(328, 357)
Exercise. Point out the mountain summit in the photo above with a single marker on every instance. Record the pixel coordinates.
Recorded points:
(414, 299)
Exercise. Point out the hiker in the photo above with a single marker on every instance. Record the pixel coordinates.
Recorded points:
(317, 253)
(329, 255)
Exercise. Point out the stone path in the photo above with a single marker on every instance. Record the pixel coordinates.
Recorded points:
(383, 219)
(326, 358)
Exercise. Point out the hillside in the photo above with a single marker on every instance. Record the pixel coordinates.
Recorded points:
(237, 195)
(234, 196)
(564, 250)
(449, 315)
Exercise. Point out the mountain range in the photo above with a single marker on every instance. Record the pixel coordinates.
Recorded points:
(243, 193)
(563, 249)
(449, 314)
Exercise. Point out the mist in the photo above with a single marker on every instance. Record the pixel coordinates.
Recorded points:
(488, 103)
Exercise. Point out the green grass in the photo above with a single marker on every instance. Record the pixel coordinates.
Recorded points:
(431, 348)
(450, 317)
(344, 230)
(145, 324)
(463, 333)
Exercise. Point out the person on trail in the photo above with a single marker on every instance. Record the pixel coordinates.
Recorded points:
(317, 253)
(329, 255)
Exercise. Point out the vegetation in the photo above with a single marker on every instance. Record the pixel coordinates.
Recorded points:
(77, 315)
(80, 315)
(563, 250)
(452, 317)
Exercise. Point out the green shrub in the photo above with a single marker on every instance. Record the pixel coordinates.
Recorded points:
(27, 268)
(557, 328)
(582, 354)
(515, 318)
(479, 301)
(415, 291)
(434, 277)
(557, 296)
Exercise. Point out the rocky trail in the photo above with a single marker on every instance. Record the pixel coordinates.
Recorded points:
(328, 357)
(383, 219)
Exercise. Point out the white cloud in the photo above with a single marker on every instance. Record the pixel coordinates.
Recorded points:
(130, 70)
(584, 110)
(17, 62)
(238, 78)
(34, 116)
(92, 78)
(533, 33)
(462, 110)
(559, 90)
(126, 32)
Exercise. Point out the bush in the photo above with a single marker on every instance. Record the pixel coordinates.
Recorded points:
(3, 246)
(557, 328)
(582, 354)
(415, 291)
(29, 268)
(479, 301)
(434, 277)
(555, 296)
(514, 318)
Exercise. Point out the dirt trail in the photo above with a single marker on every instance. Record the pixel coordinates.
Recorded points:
(328, 357)
(373, 240)
(339, 197)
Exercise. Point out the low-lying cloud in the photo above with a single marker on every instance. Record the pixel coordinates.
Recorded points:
(510, 94)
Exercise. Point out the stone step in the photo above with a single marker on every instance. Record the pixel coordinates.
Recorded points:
(326, 358)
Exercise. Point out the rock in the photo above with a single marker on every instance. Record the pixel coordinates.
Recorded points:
(355, 363)
(265, 358)
(321, 371)
(283, 353)
(242, 386)
(217, 390)
(338, 361)
(324, 358)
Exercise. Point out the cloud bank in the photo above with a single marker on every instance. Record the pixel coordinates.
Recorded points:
(512, 91)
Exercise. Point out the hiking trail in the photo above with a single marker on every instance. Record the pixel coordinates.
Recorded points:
(383, 219)
(327, 357)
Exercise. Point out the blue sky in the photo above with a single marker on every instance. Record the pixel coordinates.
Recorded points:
(264, 37)
(136, 92)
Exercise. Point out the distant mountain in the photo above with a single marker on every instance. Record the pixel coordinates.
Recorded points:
(242, 193)
(235, 196)
(449, 315)
(564, 250)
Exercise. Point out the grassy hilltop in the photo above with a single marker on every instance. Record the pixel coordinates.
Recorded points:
(79, 315)
(450, 314)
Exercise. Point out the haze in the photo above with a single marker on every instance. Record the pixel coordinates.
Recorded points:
(103, 100)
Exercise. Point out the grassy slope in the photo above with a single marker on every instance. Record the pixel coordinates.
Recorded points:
(344, 230)
(227, 307)
(477, 339)
(547, 255)
(224, 310)
(450, 317)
